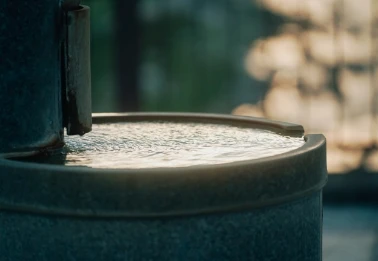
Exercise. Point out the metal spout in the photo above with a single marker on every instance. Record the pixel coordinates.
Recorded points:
(76, 72)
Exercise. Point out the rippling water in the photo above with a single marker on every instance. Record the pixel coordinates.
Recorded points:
(168, 144)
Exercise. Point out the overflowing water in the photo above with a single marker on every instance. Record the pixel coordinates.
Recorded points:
(169, 144)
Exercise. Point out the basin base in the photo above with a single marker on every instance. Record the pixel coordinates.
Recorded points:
(286, 232)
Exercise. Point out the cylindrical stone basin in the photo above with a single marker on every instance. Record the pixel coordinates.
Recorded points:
(167, 187)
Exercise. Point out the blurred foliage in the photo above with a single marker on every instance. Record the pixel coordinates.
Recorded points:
(192, 54)
(102, 55)
(185, 66)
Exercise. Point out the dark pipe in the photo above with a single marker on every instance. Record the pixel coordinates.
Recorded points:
(30, 77)
(127, 55)
(44, 73)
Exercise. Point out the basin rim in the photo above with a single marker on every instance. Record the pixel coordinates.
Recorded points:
(165, 192)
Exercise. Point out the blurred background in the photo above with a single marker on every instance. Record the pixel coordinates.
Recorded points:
(312, 62)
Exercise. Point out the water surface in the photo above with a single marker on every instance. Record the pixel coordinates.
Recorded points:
(168, 144)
